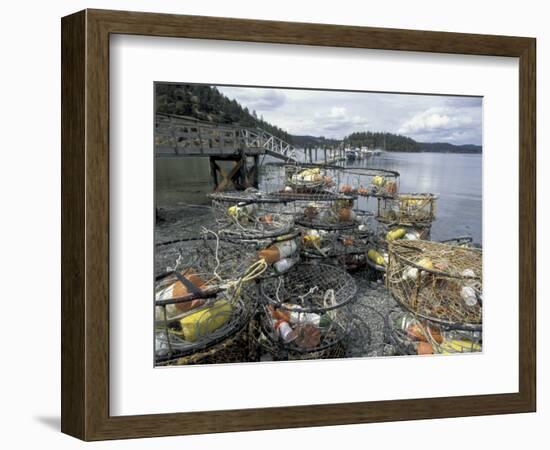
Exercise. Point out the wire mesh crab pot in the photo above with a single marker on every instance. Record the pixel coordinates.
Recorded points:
(407, 209)
(346, 248)
(410, 335)
(214, 260)
(338, 214)
(437, 282)
(232, 349)
(198, 301)
(203, 326)
(270, 348)
(307, 309)
(250, 221)
(267, 202)
(301, 181)
(365, 182)
(357, 343)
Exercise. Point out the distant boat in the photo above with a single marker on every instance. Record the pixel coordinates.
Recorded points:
(351, 155)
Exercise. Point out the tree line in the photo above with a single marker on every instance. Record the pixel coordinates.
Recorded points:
(207, 103)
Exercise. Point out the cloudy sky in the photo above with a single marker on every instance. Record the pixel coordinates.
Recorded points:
(425, 118)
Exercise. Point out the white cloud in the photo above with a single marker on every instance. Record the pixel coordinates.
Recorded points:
(335, 114)
(447, 123)
(337, 111)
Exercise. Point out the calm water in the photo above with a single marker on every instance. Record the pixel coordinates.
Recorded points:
(455, 178)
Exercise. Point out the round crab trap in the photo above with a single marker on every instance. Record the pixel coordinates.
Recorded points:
(437, 282)
(407, 209)
(232, 349)
(194, 320)
(346, 248)
(272, 349)
(410, 335)
(214, 260)
(306, 309)
(366, 182)
(307, 182)
(328, 215)
(250, 221)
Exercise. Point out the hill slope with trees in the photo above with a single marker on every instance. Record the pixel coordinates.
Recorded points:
(207, 103)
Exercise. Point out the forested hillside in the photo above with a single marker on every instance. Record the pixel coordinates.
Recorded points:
(207, 103)
(385, 141)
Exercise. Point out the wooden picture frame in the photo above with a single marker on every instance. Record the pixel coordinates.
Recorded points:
(85, 224)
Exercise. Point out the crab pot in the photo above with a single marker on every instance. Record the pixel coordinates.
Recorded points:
(288, 182)
(369, 182)
(410, 335)
(208, 256)
(204, 330)
(307, 309)
(232, 349)
(271, 348)
(346, 248)
(336, 214)
(407, 209)
(250, 221)
(222, 201)
(437, 282)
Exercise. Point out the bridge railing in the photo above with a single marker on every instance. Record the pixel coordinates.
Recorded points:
(185, 136)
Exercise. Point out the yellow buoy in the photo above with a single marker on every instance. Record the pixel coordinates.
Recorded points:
(376, 257)
(459, 346)
(312, 240)
(378, 180)
(426, 263)
(398, 233)
(205, 320)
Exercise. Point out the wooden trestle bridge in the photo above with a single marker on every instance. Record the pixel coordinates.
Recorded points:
(183, 136)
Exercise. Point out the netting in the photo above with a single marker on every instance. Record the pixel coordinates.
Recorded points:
(235, 348)
(328, 215)
(306, 182)
(407, 209)
(410, 335)
(191, 318)
(346, 248)
(214, 260)
(306, 308)
(250, 221)
(270, 348)
(437, 281)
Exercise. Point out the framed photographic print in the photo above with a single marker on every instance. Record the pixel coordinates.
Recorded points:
(271, 224)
